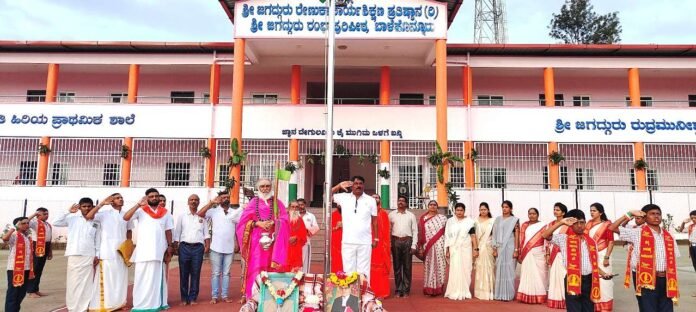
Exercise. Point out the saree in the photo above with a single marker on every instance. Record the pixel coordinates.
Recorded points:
(533, 270)
(484, 278)
(257, 259)
(458, 241)
(601, 234)
(505, 264)
(557, 273)
(431, 241)
(381, 263)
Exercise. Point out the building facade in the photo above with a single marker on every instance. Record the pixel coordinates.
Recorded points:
(535, 124)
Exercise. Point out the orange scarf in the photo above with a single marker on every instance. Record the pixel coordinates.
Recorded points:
(627, 278)
(574, 277)
(645, 271)
(20, 256)
(161, 211)
(599, 237)
(40, 238)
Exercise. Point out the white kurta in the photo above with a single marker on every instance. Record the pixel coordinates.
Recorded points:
(111, 276)
(312, 226)
(458, 241)
(150, 287)
(83, 247)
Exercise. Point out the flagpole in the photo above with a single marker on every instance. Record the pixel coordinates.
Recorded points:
(328, 161)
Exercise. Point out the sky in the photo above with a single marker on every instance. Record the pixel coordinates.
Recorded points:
(643, 21)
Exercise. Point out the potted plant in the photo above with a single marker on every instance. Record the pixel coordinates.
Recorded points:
(640, 164)
(556, 158)
(473, 155)
(44, 149)
(384, 173)
(290, 166)
(125, 151)
(204, 152)
(237, 157)
(439, 159)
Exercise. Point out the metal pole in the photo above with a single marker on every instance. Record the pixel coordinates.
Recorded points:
(328, 169)
(24, 214)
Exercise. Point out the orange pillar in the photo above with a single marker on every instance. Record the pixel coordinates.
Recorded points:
(634, 87)
(42, 173)
(212, 143)
(469, 171)
(554, 173)
(51, 94)
(549, 87)
(467, 85)
(294, 157)
(133, 81)
(641, 178)
(126, 163)
(441, 111)
(237, 98)
(133, 77)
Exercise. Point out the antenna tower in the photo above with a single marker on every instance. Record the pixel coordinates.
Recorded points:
(490, 21)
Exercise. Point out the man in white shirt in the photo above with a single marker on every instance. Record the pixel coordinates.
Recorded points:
(192, 240)
(153, 250)
(310, 222)
(82, 250)
(41, 236)
(359, 218)
(224, 223)
(404, 236)
(18, 268)
(111, 278)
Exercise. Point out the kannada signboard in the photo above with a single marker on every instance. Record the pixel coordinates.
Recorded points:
(359, 19)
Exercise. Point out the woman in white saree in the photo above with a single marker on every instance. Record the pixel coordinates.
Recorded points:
(533, 270)
(485, 263)
(461, 248)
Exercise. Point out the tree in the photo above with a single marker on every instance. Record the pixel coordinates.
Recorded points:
(578, 23)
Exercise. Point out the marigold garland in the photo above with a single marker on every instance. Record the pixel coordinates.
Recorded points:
(281, 294)
(342, 279)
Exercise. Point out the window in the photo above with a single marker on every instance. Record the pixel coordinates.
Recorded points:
(581, 100)
(411, 98)
(111, 175)
(223, 173)
(490, 100)
(119, 97)
(457, 176)
(36, 95)
(632, 178)
(177, 174)
(651, 176)
(546, 177)
(493, 177)
(692, 100)
(432, 100)
(564, 177)
(182, 97)
(66, 97)
(59, 174)
(584, 178)
(27, 172)
(264, 98)
(645, 101)
(557, 97)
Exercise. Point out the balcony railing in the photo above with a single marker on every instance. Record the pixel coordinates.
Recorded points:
(346, 101)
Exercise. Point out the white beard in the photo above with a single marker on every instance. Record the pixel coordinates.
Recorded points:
(294, 215)
(265, 196)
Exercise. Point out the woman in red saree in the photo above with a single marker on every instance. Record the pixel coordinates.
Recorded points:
(381, 263)
(431, 247)
(336, 238)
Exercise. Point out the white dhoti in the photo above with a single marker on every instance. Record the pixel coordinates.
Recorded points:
(306, 257)
(79, 283)
(149, 287)
(110, 286)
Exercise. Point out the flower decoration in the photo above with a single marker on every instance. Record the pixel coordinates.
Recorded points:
(342, 279)
(281, 294)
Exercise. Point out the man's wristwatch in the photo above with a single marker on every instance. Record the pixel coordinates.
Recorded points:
(476, 249)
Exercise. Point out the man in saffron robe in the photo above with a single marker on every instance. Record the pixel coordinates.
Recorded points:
(336, 238)
(380, 266)
(259, 221)
(298, 238)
